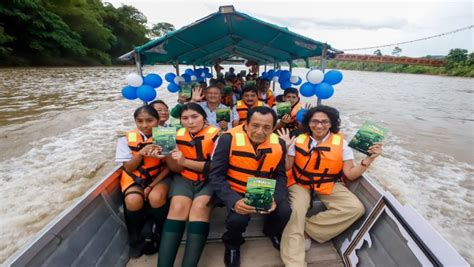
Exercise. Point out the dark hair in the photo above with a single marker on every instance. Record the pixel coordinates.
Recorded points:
(291, 90)
(195, 107)
(262, 110)
(212, 86)
(249, 88)
(148, 109)
(331, 112)
(158, 101)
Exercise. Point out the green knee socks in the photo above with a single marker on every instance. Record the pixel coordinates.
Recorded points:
(195, 241)
(170, 240)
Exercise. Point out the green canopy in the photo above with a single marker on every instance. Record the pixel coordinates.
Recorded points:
(225, 34)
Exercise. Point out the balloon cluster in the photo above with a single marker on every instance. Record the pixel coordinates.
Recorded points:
(142, 88)
(283, 77)
(188, 76)
(320, 84)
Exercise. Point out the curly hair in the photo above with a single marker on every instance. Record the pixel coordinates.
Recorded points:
(331, 112)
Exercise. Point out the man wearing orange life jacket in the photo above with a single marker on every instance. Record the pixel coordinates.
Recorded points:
(249, 100)
(249, 150)
(316, 161)
(265, 93)
(288, 121)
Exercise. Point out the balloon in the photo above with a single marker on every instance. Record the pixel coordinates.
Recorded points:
(315, 76)
(206, 70)
(146, 93)
(178, 79)
(299, 81)
(173, 88)
(198, 72)
(134, 79)
(187, 77)
(129, 92)
(153, 80)
(285, 84)
(170, 76)
(277, 73)
(285, 75)
(294, 79)
(307, 89)
(203, 74)
(208, 75)
(200, 79)
(193, 77)
(270, 74)
(332, 77)
(264, 75)
(189, 72)
(324, 90)
(300, 115)
(275, 78)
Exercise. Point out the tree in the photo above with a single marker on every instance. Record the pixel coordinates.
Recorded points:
(396, 51)
(160, 29)
(378, 52)
(456, 55)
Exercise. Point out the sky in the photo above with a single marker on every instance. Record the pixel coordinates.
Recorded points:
(342, 24)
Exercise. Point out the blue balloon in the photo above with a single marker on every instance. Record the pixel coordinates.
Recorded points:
(146, 93)
(270, 74)
(285, 84)
(332, 77)
(264, 75)
(323, 90)
(300, 115)
(198, 72)
(173, 88)
(208, 75)
(285, 75)
(200, 79)
(277, 73)
(170, 77)
(299, 81)
(307, 89)
(153, 80)
(206, 70)
(189, 72)
(129, 92)
(187, 77)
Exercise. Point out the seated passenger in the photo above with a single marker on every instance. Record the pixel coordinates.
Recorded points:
(321, 144)
(163, 111)
(190, 193)
(265, 93)
(288, 121)
(250, 150)
(144, 179)
(249, 100)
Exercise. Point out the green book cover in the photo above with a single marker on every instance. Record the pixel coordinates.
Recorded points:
(173, 122)
(366, 136)
(283, 108)
(223, 114)
(259, 193)
(227, 90)
(249, 83)
(185, 89)
(165, 137)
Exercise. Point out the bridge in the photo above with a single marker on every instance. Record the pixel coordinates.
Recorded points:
(390, 59)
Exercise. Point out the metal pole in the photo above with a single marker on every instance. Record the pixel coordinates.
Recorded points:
(291, 63)
(176, 66)
(323, 64)
(306, 61)
(265, 69)
(138, 65)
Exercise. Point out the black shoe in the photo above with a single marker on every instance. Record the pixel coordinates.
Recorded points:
(232, 257)
(135, 252)
(275, 241)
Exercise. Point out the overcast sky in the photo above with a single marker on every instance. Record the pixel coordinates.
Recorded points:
(342, 24)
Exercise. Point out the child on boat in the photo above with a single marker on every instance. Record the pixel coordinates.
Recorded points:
(144, 180)
(190, 193)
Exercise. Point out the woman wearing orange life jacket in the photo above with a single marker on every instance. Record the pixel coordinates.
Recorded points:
(144, 180)
(190, 193)
(316, 161)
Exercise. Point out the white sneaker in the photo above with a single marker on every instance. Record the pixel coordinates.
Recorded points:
(307, 244)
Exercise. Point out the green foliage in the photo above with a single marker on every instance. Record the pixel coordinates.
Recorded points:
(378, 52)
(160, 29)
(455, 57)
(396, 51)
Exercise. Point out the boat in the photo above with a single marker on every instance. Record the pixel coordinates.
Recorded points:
(92, 231)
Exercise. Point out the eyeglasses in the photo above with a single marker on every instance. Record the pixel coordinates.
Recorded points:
(323, 122)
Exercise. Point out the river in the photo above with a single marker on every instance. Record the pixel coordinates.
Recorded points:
(58, 133)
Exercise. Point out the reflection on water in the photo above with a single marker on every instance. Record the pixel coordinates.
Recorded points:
(58, 138)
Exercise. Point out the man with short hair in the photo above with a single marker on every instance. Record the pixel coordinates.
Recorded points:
(288, 121)
(250, 150)
(249, 100)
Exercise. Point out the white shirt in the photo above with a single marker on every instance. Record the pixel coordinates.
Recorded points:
(211, 115)
(123, 152)
(347, 153)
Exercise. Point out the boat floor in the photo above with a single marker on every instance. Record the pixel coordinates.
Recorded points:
(256, 252)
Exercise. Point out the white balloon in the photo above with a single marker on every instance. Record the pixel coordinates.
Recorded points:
(293, 79)
(193, 77)
(178, 79)
(315, 76)
(134, 79)
(275, 79)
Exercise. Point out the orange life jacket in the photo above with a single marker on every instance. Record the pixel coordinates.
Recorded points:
(269, 97)
(149, 167)
(198, 148)
(242, 109)
(294, 124)
(245, 161)
(319, 168)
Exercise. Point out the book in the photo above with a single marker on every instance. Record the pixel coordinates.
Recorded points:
(173, 122)
(164, 137)
(223, 114)
(259, 193)
(283, 108)
(366, 136)
(185, 89)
